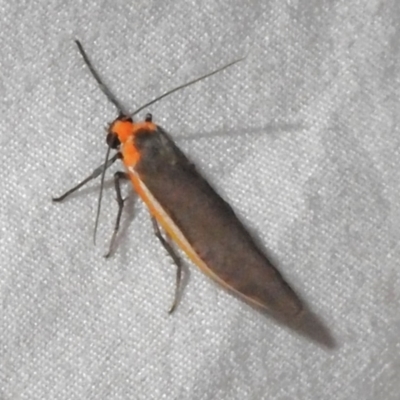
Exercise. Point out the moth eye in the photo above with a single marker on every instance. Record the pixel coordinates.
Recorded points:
(148, 118)
(112, 140)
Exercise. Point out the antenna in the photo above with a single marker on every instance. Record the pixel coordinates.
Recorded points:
(102, 86)
(186, 85)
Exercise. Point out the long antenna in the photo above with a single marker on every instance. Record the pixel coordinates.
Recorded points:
(121, 111)
(96, 224)
(185, 85)
(102, 86)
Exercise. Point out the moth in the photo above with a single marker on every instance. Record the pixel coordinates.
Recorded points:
(185, 206)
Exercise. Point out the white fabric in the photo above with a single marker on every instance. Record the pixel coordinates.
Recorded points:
(302, 138)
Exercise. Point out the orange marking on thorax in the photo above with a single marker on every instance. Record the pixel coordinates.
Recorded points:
(126, 131)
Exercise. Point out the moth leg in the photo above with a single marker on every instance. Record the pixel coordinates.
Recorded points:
(118, 176)
(167, 246)
(97, 172)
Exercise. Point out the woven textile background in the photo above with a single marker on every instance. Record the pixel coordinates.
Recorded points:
(302, 138)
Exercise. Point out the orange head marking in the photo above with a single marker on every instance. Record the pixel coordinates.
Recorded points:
(122, 131)
(119, 131)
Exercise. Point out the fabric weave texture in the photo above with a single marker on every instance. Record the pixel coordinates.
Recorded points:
(302, 138)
